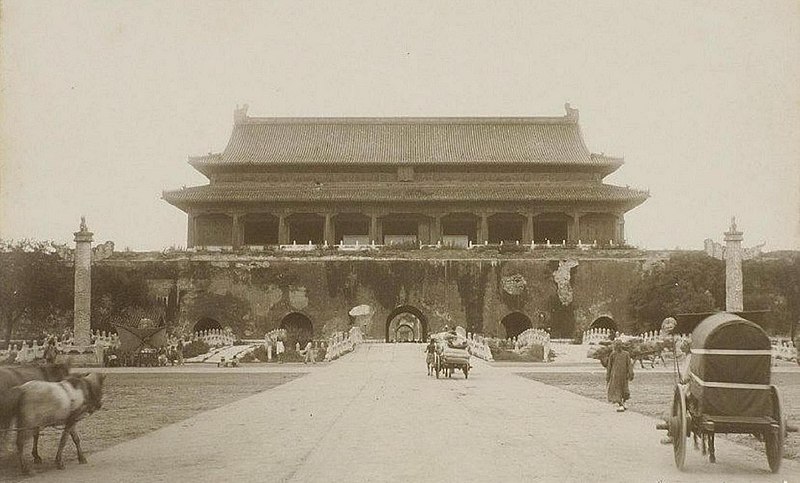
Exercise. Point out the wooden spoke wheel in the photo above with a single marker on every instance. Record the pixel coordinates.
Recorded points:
(678, 429)
(774, 436)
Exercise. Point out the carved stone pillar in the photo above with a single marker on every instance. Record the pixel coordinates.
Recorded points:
(82, 309)
(329, 236)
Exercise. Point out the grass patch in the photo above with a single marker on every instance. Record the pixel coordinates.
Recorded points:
(138, 403)
(651, 394)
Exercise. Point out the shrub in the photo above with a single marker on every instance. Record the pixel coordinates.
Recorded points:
(260, 353)
(534, 353)
(195, 348)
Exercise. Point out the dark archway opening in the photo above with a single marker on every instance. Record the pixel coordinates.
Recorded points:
(506, 228)
(206, 323)
(410, 317)
(299, 329)
(516, 323)
(604, 322)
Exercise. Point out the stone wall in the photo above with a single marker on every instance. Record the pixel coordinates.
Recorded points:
(253, 294)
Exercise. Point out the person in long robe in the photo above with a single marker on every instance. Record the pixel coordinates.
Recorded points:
(618, 373)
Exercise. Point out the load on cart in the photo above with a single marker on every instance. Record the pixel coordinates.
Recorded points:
(726, 389)
(452, 352)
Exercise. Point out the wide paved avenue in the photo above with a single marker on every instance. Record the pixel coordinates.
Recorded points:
(374, 415)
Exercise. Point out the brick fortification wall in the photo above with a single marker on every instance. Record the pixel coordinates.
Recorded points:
(252, 295)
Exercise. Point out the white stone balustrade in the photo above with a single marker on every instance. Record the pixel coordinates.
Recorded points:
(215, 337)
(478, 347)
(531, 337)
(341, 343)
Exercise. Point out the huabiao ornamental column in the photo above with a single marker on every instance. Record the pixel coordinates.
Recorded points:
(733, 254)
(83, 285)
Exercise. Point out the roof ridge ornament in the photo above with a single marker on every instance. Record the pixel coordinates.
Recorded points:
(240, 114)
(572, 113)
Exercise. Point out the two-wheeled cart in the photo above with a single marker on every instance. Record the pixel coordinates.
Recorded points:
(727, 390)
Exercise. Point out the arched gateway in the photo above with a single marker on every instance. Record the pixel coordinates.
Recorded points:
(206, 323)
(516, 323)
(406, 323)
(604, 322)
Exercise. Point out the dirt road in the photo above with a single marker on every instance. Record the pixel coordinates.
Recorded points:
(374, 415)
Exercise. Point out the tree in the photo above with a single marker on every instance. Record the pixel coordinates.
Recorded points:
(772, 282)
(36, 287)
(121, 296)
(685, 283)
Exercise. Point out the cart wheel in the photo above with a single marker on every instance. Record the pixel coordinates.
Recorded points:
(466, 372)
(774, 438)
(678, 427)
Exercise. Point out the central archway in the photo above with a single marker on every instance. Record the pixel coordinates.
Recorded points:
(413, 317)
(206, 323)
(516, 323)
(298, 328)
(604, 322)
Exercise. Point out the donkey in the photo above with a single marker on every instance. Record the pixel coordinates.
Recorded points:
(14, 376)
(39, 404)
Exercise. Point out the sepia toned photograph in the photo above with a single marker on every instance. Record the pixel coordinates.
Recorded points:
(406, 241)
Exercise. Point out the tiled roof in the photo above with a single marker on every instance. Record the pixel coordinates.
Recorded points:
(398, 192)
(541, 140)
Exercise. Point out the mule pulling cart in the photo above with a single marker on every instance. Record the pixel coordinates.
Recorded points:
(727, 389)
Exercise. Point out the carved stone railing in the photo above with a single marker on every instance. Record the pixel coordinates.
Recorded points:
(341, 343)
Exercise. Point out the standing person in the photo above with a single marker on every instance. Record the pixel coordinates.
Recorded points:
(308, 354)
(179, 351)
(430, 356)
(618, 373)
(279, 350)
(50, 351)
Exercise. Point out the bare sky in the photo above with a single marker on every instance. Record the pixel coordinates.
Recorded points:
(103, 101)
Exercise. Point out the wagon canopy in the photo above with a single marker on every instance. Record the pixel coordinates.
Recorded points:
(730, 367)
(132, 339)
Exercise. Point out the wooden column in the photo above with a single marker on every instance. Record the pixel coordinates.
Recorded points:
(436, 228)
(620, 230)
(527, 237)
(190, 231)
(236, 239)
(483, 235)
(328, 235)
(283, 230)
(575, 235)
(374, 229)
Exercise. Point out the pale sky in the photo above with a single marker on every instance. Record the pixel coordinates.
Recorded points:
(102, 102)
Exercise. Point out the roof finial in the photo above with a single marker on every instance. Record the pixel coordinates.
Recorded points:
(572, 113)
(240, 113)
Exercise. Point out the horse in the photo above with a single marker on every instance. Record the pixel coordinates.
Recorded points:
(39, 404)
(15, 376)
